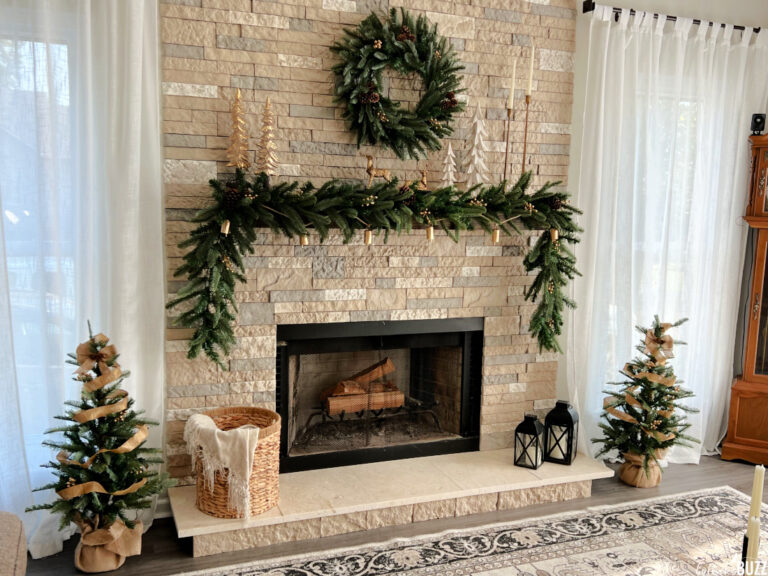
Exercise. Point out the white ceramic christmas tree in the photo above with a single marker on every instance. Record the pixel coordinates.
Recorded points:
(477, 171)
(449, 167)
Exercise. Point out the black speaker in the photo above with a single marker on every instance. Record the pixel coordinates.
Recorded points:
(758, 123)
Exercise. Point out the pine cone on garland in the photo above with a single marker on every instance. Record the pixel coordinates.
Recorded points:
(370, 97)
(555, 203)
(405, 34)
(232, 198)
(449, 102)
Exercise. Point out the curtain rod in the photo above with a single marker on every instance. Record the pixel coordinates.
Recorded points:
(589, 6)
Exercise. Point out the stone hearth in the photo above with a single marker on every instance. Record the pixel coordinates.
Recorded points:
(320, 503)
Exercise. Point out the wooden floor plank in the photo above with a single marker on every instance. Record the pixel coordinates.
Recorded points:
(164, 554)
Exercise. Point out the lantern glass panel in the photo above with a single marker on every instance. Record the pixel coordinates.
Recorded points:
(561, 425)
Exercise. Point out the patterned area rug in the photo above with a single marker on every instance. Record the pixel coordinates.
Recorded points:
(695, 533)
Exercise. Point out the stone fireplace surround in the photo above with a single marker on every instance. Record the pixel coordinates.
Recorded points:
(281, 49)
(407, 278)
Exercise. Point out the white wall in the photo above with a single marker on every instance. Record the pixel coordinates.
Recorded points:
(752, 13)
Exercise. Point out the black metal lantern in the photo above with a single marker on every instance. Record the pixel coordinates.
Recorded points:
(529, 442)
(561, 431)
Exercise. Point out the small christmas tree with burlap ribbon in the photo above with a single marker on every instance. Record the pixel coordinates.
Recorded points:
(102, 468)
(644, 416)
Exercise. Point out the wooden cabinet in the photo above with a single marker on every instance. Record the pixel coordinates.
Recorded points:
(748, 416)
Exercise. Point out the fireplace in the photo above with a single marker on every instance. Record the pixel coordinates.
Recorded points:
(368, 391)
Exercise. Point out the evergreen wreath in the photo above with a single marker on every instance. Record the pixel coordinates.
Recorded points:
(213, 263)
(406, 46)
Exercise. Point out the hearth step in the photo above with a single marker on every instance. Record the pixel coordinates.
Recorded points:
(320, 503)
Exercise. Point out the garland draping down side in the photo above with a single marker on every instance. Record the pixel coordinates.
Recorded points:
(226, 232)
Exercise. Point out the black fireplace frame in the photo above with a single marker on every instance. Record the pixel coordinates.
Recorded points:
(350, 336)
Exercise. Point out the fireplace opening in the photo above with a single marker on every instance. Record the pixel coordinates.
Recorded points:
(369, 391)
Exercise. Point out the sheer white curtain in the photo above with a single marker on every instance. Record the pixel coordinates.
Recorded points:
(81, 210)
(663, 189)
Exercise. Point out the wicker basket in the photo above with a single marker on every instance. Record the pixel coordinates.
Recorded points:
(264, 489)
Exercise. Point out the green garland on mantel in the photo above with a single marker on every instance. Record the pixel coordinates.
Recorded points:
(214, 264)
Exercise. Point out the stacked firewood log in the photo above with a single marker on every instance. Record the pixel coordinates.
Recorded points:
(366, 390)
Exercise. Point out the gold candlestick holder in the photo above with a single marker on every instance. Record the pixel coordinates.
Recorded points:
(525, 132)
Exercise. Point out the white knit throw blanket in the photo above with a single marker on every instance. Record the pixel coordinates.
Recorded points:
(225, 451)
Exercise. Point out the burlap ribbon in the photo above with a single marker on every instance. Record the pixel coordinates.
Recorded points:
(105, 549)
(88, 357)
(92, 414)
(93, 486)
(650, 376)
(108, 375)
(128, 446)
(610, 408)
(660, 348)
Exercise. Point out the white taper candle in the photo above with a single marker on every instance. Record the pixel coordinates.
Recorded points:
(753, 533)
(530, 72)
(757, 491)
(511, 98)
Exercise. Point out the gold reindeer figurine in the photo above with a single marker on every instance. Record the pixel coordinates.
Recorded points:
(422, 185)
(376, 172)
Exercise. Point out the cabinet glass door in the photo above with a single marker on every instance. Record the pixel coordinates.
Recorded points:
(757, 341)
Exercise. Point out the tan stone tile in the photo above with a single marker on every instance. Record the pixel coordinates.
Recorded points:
(434, 510)
(257, 537)
(395, 516)
(343, 524)
(476, 504)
